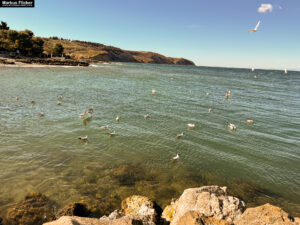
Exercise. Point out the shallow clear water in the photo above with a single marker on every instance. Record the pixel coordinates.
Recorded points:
(44, 154)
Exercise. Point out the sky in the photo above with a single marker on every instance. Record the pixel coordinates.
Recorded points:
(208, 32)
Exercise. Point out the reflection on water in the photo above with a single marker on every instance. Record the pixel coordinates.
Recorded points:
(258, 162)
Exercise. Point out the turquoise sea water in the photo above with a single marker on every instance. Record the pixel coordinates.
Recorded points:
(43, 154)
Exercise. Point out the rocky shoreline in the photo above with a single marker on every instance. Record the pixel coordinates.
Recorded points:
(206, 205)
(43, 61)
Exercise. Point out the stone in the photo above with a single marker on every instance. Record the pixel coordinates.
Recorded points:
(142, 208)
(74, 220)
(195, 218)
(74, 209)
(35, 209)
(209, 201)
(266, 214)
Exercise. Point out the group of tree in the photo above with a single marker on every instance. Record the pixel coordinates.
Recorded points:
(24, 42)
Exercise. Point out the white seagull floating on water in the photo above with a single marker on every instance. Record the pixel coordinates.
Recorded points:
(191, 125)
(231, 127)
(227, 94)
(83, 138)
(179, 135)
(249, 122)
(112, 134)
(104, 127)
(175, 158)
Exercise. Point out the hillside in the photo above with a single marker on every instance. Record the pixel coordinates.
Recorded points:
(95, 52)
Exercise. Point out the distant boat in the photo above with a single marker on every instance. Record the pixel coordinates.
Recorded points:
(255, 29)
(285, 71)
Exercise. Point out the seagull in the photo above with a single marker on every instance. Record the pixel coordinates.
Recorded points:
(209, 110)
(153, 92)
(17, 98)
(42, 114)
(90, 110)
(227, 94)
(255, 77)
(117, 119)
(249, 122)
(175, 158)
(146, 116)
(32, 102)
(252, 69)
(59, 97)
(82, 115)
(285, 71)
(179, 135)
(207, 94)
(58, 103)
(104, 127)
(112, 134)
(231, 127)
(255, 29)
(191, 125)
(83, 138)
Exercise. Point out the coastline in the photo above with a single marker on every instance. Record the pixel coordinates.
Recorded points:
(206, 205)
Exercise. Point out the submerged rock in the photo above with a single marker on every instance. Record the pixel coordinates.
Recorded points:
(266, 214)
(127, 174)
(207, 201)
(35, 209)
(74, 209)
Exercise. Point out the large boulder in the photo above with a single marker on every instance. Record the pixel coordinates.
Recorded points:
(74, 220)
(35, 209)
(141, 208)
(206, 201)
(195, 218)
(266, 214)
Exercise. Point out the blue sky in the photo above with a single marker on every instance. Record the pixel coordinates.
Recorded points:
(209, 32)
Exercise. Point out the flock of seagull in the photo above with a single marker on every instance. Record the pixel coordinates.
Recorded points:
(87, 115)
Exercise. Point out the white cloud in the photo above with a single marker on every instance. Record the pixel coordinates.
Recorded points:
(265, 8)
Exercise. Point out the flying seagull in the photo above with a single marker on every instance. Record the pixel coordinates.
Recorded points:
(255, 29)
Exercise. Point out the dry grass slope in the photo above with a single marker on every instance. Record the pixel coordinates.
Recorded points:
(95, 52)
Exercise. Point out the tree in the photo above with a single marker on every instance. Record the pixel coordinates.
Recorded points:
(3, 26)
(58, 50)
(37, 46)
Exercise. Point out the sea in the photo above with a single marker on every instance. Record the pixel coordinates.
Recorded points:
(258, 162)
